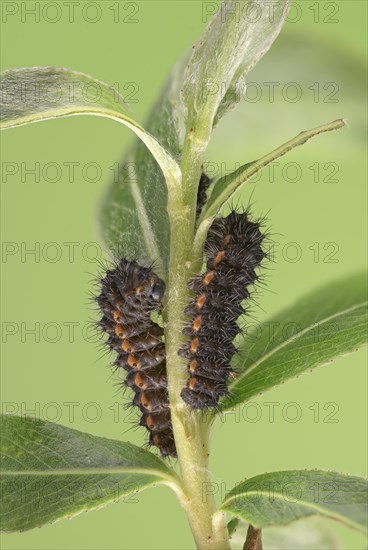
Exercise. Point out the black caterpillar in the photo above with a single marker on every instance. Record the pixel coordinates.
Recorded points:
(204, 184)
(233, 250)
(129, 294)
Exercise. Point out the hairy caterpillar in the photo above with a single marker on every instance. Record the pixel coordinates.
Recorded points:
(233, 251)
(129, 294)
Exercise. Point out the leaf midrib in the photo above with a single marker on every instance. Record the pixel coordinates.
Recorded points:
(89, 471)
(286, 342)
(147, 229)
(305, 504)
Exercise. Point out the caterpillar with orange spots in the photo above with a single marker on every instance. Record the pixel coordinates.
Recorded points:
(129, 294)
(233, 251)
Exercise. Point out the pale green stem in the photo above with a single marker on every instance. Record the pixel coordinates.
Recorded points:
(191, 430)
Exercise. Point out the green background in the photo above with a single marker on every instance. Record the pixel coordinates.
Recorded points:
(320, 48)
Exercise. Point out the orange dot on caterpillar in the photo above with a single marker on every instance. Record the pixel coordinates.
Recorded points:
(197, 323)
(133, 361)
(156, 422)
(219, 257)
(193, 365)
(145, 402)
(194, 345)
(201, 300)
(127, 346)
(227, 239)
(150, 423)
(208, 278)
(140, 381)
(119, 331)
(116, 315)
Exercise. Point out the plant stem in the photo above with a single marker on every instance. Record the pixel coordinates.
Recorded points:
(254, 539)
(191, 429)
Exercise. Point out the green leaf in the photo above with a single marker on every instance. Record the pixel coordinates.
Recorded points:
(41, 93)
(50, 472)
(134, 219)
(225, 187)
(235, 40)
(309, 534)
(328, 322)
(279, 498)
(313, 533)
(232, 526)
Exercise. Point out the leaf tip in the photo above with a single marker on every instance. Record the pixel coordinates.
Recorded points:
(345, 122)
